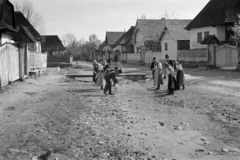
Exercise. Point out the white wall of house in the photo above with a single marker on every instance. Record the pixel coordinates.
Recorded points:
(6, 38)
(218, 31)
(138, 41)
(171, 48)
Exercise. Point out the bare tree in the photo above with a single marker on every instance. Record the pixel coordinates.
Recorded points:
(173, 15)
(69, 39)
(32, 16)
(236, 31)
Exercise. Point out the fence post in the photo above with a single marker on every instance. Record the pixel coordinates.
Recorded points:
(21, 62)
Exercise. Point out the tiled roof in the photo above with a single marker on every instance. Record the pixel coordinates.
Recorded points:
(176, 28)
(112, 37)
(216, 12)
(150, 28)
(22, 21)
(51, 42)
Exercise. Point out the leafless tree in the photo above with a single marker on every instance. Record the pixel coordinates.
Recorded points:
(69, 39)
(166, 15)
(236, 31)
(32, 16)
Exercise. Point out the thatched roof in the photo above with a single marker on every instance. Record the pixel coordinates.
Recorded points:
(126, 38)
(21, 20)
(52, 42)
(7, 22)
(216, 12)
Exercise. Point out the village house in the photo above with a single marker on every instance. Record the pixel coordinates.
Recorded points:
(125, 44)
(52, 45)
(101, 52)
(110, 41)
(27, 33)
(174, 37)
(7, 21)
(145, 39)
(216, 18)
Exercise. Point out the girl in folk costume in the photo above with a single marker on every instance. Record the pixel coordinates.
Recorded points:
(180, 75)
(169, 72)
(99, 79)
(158, 74)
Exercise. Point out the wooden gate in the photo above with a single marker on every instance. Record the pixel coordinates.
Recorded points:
(226, 56)
(9, 63)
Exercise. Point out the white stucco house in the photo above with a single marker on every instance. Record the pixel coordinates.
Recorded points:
(216, 18)
(174, 37)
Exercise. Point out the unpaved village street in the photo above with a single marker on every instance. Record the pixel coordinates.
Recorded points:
(76, 121)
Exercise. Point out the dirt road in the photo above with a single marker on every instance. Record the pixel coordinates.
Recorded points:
(74, 120)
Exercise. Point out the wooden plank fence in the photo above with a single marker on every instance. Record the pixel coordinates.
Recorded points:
(192, 55)
(9, 63)
(38, 61)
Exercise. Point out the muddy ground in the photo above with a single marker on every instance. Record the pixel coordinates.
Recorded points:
(75, 120)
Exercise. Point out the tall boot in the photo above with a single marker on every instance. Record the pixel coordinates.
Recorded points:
(183, 87)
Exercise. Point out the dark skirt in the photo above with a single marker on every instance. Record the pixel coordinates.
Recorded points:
(94, 76)
(171, 85)
(180, 77)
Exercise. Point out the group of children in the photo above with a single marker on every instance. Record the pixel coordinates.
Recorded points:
(101, 72)
(171, 69)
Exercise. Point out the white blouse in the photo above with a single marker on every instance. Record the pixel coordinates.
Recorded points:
(169, 70)
(158, 66)
(179, 66)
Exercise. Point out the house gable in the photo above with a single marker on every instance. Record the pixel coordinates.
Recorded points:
(21, 20)
(52, 43)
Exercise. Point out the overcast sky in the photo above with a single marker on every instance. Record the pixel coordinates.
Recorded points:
(85, 17)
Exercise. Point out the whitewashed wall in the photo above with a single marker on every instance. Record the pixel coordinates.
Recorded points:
(218, 31)
(171, 46)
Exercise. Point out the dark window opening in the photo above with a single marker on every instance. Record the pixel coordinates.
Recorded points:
(199, 37)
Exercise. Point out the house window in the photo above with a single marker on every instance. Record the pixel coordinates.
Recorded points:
(159, 48)
(166, 46)
(199, 37)
(206, 34)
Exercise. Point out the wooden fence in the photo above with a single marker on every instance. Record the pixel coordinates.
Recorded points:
(226, 56)
(9, 63)
(195, 55)
(64, 59)
(38, 60)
